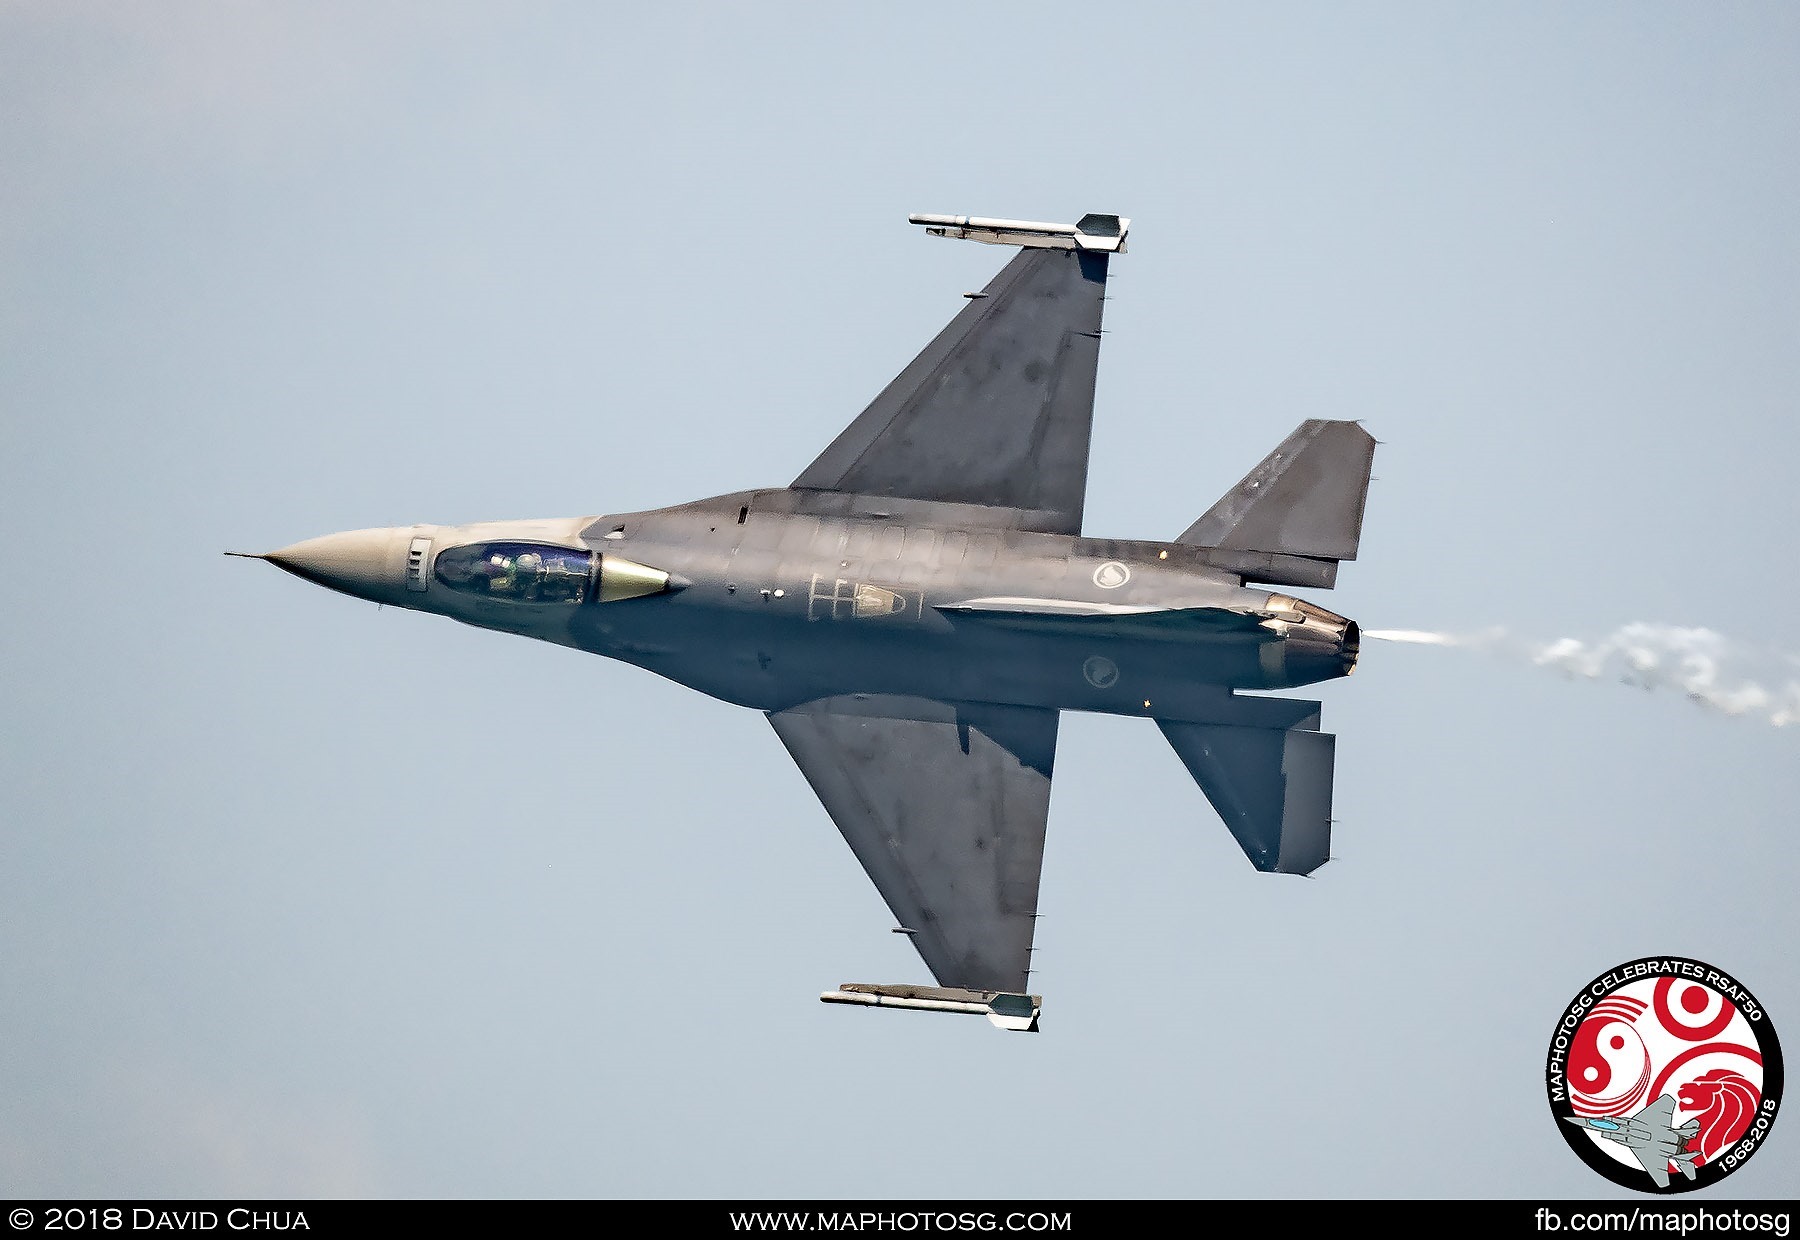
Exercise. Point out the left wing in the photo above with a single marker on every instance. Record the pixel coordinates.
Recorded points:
(997, 410)
(1660, 1113)
(944, 805)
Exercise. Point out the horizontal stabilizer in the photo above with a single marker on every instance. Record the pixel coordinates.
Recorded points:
(1305, 501)
(1272, 787)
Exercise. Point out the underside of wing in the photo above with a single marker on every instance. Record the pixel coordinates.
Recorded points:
(997, 410)
(944, 805)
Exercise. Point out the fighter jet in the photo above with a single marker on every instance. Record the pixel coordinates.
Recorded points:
(917, 607)
(1649, 1137)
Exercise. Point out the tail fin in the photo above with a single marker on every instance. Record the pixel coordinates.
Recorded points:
(1296, 515)
(1272, 786)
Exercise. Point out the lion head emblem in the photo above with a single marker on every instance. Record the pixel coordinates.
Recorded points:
(1726, 1102)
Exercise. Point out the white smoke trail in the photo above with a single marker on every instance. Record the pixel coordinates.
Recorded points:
(1417, 636)
(1710, 669)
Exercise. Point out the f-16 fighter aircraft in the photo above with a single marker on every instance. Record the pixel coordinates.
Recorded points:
(1650, 1138)
(916, 607)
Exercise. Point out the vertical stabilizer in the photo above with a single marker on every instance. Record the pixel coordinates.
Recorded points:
(1297, 514)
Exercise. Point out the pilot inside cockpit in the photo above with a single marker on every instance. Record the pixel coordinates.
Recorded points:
(519, 572)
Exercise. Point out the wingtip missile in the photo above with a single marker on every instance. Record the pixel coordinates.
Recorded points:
(1004, 1011)
(1103, 233)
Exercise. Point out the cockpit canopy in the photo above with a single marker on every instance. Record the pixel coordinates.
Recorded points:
(518, 572)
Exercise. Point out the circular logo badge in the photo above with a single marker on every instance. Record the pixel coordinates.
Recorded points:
(1100, 672)
(1111, 575)
(1664, 1075)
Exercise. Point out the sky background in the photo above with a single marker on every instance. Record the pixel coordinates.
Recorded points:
(299, 897)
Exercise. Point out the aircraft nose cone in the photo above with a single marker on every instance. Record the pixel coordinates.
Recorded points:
(369, 564)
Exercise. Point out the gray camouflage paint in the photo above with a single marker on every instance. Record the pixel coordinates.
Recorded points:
(915, 610)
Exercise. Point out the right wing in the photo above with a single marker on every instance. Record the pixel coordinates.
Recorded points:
(944, 805)
(1655, 1163)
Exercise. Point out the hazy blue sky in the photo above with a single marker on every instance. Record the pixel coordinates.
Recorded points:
(299, 897)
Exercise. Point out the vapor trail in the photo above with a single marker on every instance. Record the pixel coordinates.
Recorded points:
(1709, 668)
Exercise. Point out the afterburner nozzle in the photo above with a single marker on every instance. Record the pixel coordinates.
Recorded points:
(1316, 640)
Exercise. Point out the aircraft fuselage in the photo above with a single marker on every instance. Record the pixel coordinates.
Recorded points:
(777, 597)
